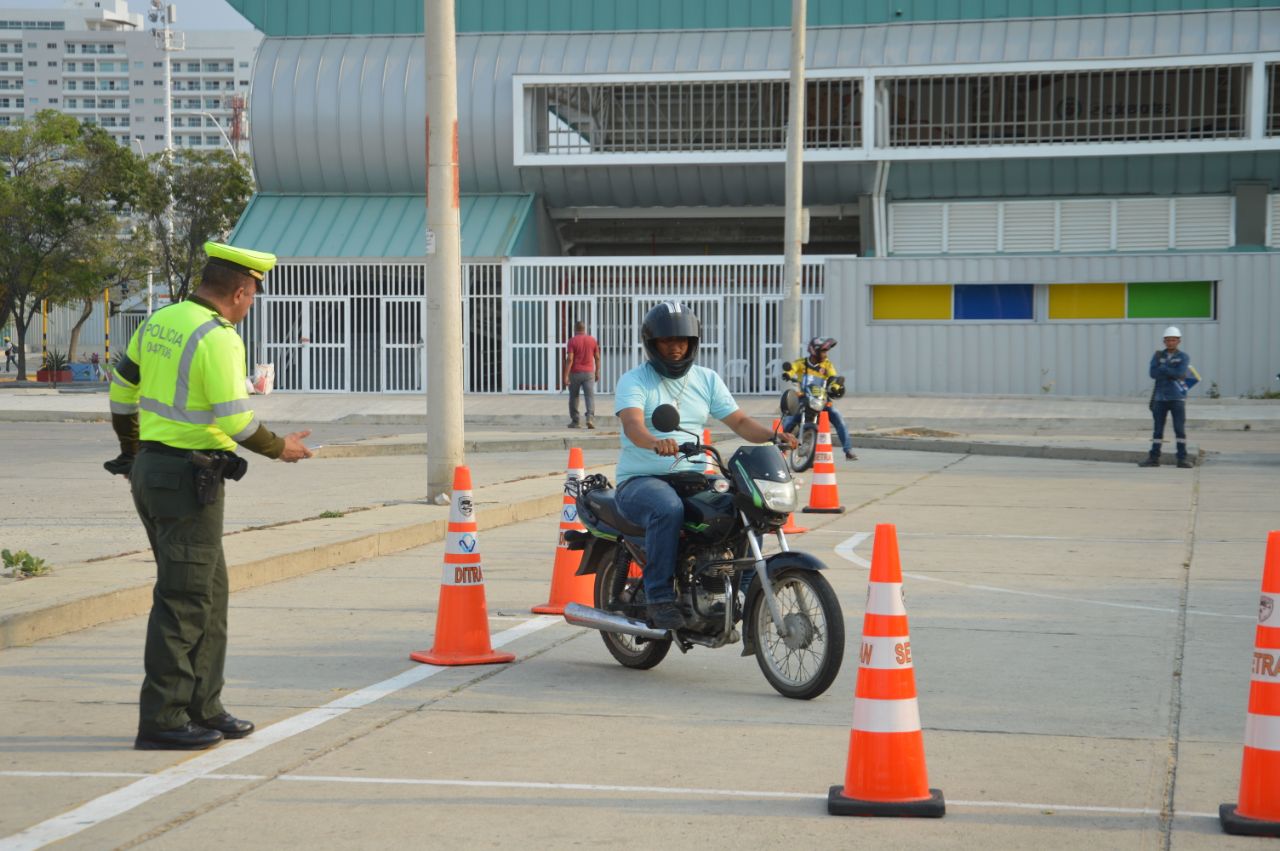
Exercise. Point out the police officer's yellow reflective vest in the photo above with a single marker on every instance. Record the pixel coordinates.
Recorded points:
(189, 385)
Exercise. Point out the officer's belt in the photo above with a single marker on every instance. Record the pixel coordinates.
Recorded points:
(166, 449)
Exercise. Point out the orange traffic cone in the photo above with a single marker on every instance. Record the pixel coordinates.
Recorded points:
(824, 496)
(462, 620)
(711, 468)
(886, 773)
(1258, 813)
(566, 585)
(790, 528)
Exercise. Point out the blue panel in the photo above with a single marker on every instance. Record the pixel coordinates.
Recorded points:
(994, 301)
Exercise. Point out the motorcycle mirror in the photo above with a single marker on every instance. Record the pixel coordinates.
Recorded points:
(666, 418)
(790, 403)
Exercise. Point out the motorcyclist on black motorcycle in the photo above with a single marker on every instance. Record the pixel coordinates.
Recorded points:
(817, 363)
(671, 333)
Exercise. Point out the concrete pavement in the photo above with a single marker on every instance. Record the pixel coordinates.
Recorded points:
(1081, 631)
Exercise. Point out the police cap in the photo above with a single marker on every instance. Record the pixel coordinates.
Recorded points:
(244, 260)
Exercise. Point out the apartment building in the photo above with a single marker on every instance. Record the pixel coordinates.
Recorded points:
(96, 60)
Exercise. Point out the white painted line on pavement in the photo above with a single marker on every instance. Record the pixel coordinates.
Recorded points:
(601, 787)
(140, 792)
(845, 549)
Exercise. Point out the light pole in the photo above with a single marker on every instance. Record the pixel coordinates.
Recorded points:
(792, 300)
(444, 251)
(150, 285)
(225, 137)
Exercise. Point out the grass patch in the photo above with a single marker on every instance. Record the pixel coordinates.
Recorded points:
(23, 564)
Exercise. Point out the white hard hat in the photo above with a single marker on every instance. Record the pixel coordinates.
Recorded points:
(1172, 331)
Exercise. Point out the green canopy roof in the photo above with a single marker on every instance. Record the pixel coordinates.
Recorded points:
(390, 226)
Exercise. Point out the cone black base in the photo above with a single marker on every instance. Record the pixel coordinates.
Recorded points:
(932, 807)
(839, 509)
(1238, 825)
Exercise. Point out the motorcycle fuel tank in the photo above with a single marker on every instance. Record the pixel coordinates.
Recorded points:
(709, 517)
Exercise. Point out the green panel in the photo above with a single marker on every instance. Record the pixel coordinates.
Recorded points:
(1183, 300)
(325, 17)
(380, 225)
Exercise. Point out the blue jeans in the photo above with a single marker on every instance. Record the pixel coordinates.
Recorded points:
(652, 503)
(837, 423)
(1178, 408)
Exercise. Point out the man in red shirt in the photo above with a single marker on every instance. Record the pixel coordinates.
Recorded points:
(581, 371)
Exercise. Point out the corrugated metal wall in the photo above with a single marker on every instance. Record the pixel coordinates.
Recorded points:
(346, 114)
(1240, 350)
(332, 17)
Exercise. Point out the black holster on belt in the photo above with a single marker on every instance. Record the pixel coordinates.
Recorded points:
(212, 467)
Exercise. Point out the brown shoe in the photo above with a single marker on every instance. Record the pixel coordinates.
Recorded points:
(591, 423)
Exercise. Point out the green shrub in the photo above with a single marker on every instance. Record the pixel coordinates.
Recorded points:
(23, 564)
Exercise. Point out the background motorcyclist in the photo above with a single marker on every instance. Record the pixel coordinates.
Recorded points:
(671, 333)
(817, 363)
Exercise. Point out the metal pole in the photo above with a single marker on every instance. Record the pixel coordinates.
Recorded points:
(789, 332)
(149, 294)
(444, 252)
(106, 328)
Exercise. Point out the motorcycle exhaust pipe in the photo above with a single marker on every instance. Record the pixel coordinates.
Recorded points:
(580, 615)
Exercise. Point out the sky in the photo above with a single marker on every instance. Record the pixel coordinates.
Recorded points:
(192, 14)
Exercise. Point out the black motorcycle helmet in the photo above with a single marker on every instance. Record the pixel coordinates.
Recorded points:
(818, 348)
(670, 319)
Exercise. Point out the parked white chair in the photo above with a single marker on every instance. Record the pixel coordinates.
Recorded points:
(737, 375)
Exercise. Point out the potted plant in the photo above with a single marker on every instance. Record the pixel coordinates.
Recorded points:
(54, 368)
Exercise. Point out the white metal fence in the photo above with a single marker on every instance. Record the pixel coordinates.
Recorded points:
(361, 327)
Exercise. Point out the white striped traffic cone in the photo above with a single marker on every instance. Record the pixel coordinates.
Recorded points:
(886, 773)
(566, 585)
(462, 618)
(824, 495)
(1258, 812)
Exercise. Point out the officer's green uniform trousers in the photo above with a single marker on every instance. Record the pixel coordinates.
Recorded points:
(187, 633)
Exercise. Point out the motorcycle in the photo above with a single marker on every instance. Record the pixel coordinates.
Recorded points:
(809, 401)
(790, 616)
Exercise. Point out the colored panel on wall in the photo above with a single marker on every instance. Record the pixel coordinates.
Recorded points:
(906, 301)
(1086, 301)
(995, 301)
(1181, 300)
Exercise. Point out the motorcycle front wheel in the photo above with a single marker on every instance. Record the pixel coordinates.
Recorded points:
(801, 458)
(618, 590)
(804, 663)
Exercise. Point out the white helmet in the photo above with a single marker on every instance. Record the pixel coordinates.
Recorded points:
(1172, 331)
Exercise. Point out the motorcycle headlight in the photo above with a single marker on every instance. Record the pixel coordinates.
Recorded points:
(779, 497)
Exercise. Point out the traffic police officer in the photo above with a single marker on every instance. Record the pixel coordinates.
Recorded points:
(179, 406)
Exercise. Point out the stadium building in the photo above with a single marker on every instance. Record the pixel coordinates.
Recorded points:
(1011, 196)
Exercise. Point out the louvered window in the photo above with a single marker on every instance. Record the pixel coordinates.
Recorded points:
(1142, 224)
(1202, 223)
(973, 228)
(1085, 226)
(1029, 226)
(916, 228)
(1273, 233)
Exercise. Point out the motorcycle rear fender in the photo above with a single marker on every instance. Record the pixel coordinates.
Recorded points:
(777, 563)
(597, 554)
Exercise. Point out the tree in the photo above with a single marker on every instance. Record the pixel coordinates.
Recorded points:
(191, 198)
(62, 185)
(112, 264)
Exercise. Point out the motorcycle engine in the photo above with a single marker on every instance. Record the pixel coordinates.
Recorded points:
(707, 599)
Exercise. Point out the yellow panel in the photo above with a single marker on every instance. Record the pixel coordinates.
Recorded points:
(911, 301)
(1086, 301)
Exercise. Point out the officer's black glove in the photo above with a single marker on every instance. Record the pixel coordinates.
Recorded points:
(121, 465)
(835, 386)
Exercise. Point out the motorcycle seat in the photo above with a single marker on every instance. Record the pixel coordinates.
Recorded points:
(603, 506)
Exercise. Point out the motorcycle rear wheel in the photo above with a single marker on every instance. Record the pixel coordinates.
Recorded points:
(805, 664)
(801, 458)
(614, 587)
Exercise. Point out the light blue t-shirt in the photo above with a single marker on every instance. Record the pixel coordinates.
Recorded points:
(698, 395)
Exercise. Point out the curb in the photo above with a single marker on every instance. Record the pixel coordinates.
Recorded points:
(27, 627)
(1011, 450)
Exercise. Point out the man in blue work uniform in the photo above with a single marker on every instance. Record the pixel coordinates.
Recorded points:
(1172, 370)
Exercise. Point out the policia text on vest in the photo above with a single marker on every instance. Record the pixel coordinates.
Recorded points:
(180, 409)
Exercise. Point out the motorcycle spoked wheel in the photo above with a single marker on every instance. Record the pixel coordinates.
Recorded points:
(613, 584)
(801, 458)
(805, 663)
